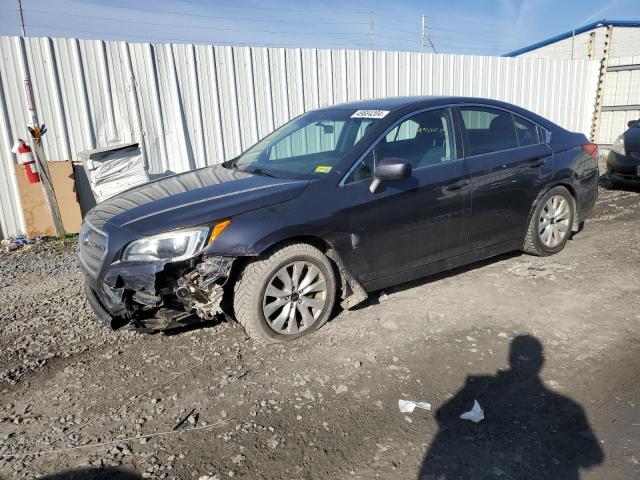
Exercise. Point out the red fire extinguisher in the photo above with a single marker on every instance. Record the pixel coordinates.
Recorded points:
(26, 158)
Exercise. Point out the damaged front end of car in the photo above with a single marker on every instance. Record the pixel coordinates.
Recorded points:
(157, 283)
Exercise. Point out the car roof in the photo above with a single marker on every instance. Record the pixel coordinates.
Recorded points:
(391, 103)
(427, 101)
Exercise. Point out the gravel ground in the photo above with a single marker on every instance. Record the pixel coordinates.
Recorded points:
(210, 404)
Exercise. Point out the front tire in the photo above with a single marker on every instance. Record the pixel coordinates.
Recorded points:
(286, 294)
(551, 223)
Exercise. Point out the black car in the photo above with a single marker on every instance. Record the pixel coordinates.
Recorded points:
(623, 160)
(337, 203)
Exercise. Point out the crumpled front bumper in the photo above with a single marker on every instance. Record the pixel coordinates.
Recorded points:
(94, 302)
(159, 295)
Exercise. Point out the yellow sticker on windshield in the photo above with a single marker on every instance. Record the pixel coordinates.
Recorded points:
(322, 169)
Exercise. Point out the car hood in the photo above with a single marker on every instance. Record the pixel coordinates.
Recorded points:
(192, 198)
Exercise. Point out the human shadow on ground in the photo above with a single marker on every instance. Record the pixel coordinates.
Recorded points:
(529, 432)
(94, 473)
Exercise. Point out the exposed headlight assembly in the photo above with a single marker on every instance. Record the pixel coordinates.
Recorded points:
(618, 146)
(173, 246)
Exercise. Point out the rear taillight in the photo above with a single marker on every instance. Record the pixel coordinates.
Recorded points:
(591, 149)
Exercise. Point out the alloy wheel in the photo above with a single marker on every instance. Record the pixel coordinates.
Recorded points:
(553, 224)
(294, 298)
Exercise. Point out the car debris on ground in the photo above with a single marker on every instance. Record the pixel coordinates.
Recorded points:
(408, 406)
(21, 241)
(475, 415)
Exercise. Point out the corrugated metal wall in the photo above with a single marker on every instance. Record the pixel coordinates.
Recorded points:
(193, 105)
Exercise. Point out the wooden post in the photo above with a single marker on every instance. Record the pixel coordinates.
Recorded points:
(38, 150)
(47, 184)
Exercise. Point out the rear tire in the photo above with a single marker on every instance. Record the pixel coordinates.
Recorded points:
(551, 222)
(286, 294)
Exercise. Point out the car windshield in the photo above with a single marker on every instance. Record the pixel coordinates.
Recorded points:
(308, 146)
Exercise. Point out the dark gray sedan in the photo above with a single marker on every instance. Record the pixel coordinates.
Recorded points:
(336, 204)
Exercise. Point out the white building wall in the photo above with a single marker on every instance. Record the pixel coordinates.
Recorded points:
(621, 98)
(621, 88)
(625, 42)
(580, 43)
(196, 105)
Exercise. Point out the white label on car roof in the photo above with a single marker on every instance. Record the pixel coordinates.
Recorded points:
(370, 114)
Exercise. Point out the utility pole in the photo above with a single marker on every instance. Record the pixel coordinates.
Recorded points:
(36, 131)
(425, 38)
(422, 36)
(372, 31)
(24, 33)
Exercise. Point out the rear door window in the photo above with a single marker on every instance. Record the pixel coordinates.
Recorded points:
(526, 131)
(488, 130)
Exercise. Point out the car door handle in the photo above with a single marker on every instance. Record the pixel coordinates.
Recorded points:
(457, 185)
(537, 162)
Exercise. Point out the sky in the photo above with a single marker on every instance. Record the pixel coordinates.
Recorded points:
(476, 27)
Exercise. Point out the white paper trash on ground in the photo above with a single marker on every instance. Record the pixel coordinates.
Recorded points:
(475, 415)
(408, 406)
(114, 169)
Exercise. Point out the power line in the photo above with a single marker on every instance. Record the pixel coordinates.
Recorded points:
(397, 38)
(183, 40)
(462, 48)
(479, 22)
(393, 29)
(252, 44)
(192, 26)
(396, 19)
(252, 7)
(474, 33)
(461, 42)
(200, 27)
(326, 12)
(447, 40)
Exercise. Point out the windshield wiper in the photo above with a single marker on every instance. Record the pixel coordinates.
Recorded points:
(232, 164)
(258, 171)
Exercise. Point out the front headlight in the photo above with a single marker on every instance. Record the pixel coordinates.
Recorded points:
(173, 246)
(618, 146)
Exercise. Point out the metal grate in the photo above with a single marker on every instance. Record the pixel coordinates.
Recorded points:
(92, 246)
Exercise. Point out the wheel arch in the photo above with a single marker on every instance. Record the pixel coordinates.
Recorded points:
(574, 196)
(317, 241)
(349, 287)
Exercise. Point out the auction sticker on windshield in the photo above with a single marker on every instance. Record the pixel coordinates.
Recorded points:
(370, 114)
(322, 169)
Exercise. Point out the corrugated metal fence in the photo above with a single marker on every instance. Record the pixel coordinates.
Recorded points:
(193, 105)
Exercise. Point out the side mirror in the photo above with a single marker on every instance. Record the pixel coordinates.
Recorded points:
(389, 169)
(633, 123)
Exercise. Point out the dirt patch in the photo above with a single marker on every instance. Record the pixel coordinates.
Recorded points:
(209, 403)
